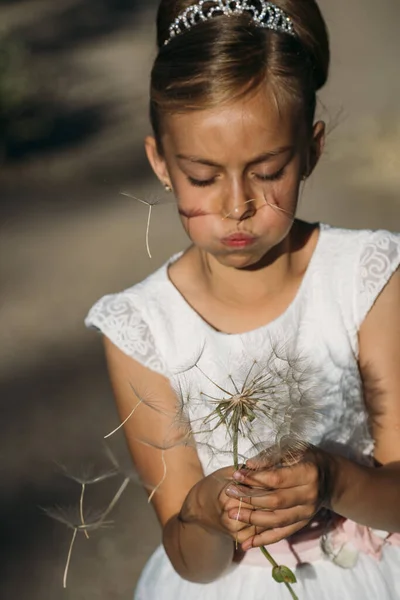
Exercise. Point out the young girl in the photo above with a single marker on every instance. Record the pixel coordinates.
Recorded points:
(233, 96)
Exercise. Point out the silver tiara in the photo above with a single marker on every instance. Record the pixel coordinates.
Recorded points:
(268, 15)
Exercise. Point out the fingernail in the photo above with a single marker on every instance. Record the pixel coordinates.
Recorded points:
(238, 476)
(246, 546)
(233, 490)
(234, 515)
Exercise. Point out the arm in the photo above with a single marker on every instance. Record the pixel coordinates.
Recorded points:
(367, 495)
(372, 496)
(186, 503)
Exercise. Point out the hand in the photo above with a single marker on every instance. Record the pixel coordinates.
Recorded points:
(283, 500)
(209, 505)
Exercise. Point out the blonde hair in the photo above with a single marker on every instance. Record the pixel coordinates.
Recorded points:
(225, 58)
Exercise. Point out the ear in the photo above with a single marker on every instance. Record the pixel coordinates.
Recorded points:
(157, 161)
(316, 147)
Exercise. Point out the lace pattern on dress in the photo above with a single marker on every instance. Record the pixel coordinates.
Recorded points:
(379, 259)
(117, 317)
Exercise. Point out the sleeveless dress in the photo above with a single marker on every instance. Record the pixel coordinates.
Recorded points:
(153, 323)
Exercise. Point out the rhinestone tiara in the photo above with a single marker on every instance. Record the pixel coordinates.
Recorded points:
(268, 15)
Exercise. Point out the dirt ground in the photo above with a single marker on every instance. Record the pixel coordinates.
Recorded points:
(68, 236)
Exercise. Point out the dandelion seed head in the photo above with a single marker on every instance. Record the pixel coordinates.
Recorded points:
(268, 408)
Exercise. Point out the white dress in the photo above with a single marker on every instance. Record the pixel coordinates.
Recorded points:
(153, 323)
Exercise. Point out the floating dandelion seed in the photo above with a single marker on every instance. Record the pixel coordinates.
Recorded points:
(289, 214)
(149, 203)
(75, 518)
(152, 404)
(180, 432)
(180, 437)
(86, 477)
(140, 402)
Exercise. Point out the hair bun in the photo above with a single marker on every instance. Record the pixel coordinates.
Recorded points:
(312, 32)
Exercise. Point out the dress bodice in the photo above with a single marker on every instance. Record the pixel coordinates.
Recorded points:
(306, 358)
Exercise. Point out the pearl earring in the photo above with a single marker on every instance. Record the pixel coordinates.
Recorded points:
(167, 187)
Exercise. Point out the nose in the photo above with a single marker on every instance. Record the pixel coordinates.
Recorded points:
(247, 210)
(240, 206)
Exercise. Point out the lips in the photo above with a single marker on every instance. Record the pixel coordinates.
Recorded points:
(238, 240)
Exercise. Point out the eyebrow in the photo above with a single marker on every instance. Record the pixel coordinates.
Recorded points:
(255, 161)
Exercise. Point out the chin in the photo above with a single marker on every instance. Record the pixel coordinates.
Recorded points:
(239, 260)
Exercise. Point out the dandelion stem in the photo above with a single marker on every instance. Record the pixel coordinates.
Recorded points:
(69, 558)
(81, 509)
(268, 556)
(235, 442)
(291, 591)
(273, 562)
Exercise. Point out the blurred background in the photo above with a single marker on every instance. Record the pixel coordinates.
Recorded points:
(73, 115)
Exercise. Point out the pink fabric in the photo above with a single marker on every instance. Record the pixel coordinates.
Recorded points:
(305, 546)
(363, 538)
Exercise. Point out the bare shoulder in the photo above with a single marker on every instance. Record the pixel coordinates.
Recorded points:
(161, 447)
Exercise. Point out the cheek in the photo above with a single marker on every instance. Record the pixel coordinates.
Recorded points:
(284, 195)
(195, 203)
(200, 228)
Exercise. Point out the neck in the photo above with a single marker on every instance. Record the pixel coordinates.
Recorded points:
(253, 285)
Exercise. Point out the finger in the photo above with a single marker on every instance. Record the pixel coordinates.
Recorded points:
(240, 532)
(272, 520)
(276, 499)
(229, 503)
(281, 478)
(234, 526)
(270, 458)
(247, 534)
(266, 538)
(223, 476)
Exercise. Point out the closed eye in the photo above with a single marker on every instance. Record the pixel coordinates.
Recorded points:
(201, 182)
(207, 182)
(274, 177)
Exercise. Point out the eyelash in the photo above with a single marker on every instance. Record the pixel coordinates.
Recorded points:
(274, 177)
(207, 182)
(200, 183)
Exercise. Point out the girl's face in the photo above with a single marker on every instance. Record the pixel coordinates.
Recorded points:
(236, 173)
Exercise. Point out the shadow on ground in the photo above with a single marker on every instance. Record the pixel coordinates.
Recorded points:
(40, 64)
(43, 127)
(55, 416)
(81, 23)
